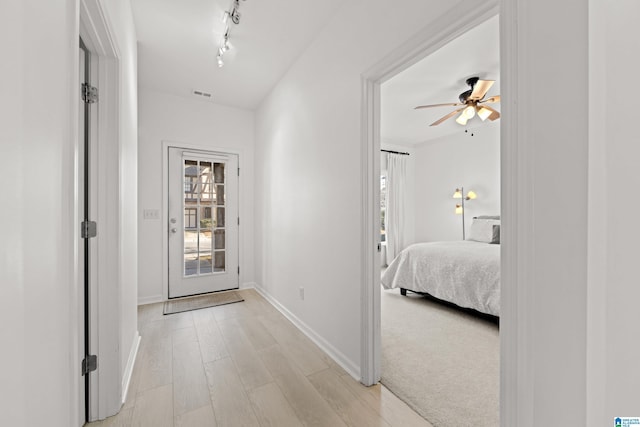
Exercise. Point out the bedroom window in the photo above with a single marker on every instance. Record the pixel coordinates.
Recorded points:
(383, 206)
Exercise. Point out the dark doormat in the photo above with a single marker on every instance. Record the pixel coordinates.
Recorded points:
(197, 302)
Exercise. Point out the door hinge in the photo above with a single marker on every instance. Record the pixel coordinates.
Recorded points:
(238, 171)
(379, 247)
(89, 93)
(88, 229)
(238, 270)
(238, 220)
(89, 364)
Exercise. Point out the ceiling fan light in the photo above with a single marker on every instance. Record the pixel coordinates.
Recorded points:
(469, 112)
(483, 113)
(462, 119)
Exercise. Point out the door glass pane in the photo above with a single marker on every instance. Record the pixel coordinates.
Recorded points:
(219, 217)
(205, 263)
(206, 221)
(190, 252)
(205, 240)
(190, 180)
(206, 182)
(219, 239)
(219, 172)
(219, 261)
(190, 218)
(204, 217)
(220, 197)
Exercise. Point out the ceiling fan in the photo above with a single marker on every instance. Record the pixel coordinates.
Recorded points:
(473, 102)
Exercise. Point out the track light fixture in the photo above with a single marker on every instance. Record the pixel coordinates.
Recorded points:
(232, 15)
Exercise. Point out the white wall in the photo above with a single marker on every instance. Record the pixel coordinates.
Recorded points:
(38, 253)
(37, 133)
(308, 171)
(544, 151)
(178, 119)
(446, 163)
(613, 290)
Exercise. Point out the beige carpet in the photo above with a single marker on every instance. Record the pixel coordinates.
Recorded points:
(441, 362)
(179, 305)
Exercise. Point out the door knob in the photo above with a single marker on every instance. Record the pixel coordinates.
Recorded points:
(174, 230)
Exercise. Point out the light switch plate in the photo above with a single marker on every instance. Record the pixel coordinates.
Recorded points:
(151, 214)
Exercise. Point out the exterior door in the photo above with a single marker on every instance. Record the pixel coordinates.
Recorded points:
(203, 222)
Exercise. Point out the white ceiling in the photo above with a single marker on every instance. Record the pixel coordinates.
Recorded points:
(437, 79)
(178, 42)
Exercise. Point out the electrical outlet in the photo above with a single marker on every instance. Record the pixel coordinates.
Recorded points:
(302, 294)
(151, 214)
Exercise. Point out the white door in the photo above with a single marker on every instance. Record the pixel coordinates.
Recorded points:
(203, 222)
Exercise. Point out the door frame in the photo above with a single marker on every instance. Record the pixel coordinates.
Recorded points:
(451, 25)
(106, 390)
(166, 144)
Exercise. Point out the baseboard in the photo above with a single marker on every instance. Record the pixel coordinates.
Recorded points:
(249, 285)
(346, 364)
(150, 300)
(128, 372)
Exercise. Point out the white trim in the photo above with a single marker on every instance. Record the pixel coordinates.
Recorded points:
(150, 300)
(598, 230)
(131, 361)
(528, 396)
(249, 285)
(105, 383)
(166, 144)
(331, 351)
(514, 267)
(452, 24)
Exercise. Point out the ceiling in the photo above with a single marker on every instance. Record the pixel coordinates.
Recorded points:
(437, 79)
(178, 43)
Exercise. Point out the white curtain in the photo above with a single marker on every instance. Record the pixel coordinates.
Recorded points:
(394, 216)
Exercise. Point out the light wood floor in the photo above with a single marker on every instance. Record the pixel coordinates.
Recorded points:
(245, 364)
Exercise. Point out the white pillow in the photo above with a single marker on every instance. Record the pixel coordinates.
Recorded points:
(481, 230)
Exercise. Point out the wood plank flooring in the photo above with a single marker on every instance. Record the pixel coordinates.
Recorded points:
(245, 364)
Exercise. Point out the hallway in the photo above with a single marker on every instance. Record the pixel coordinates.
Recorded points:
(244, 364)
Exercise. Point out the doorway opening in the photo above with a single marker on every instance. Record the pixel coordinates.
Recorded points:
(423, 46)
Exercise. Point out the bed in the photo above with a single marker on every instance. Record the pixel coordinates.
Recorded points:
(465, 273)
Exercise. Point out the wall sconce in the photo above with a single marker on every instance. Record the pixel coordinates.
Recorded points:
(459, 194)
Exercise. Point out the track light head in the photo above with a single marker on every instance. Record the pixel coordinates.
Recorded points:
(235, 16)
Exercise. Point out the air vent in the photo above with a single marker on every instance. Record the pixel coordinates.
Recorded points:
(202, 94)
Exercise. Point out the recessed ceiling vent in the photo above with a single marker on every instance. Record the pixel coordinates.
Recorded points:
(202, 94)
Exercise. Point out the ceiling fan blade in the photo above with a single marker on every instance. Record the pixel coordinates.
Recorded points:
(495, 115)
(480, 89)
(495, 98)
(451, 114)
(437, 105)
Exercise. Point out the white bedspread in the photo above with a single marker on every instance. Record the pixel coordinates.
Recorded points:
(465, 273)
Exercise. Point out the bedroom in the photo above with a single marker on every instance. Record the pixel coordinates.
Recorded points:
(433, 376)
